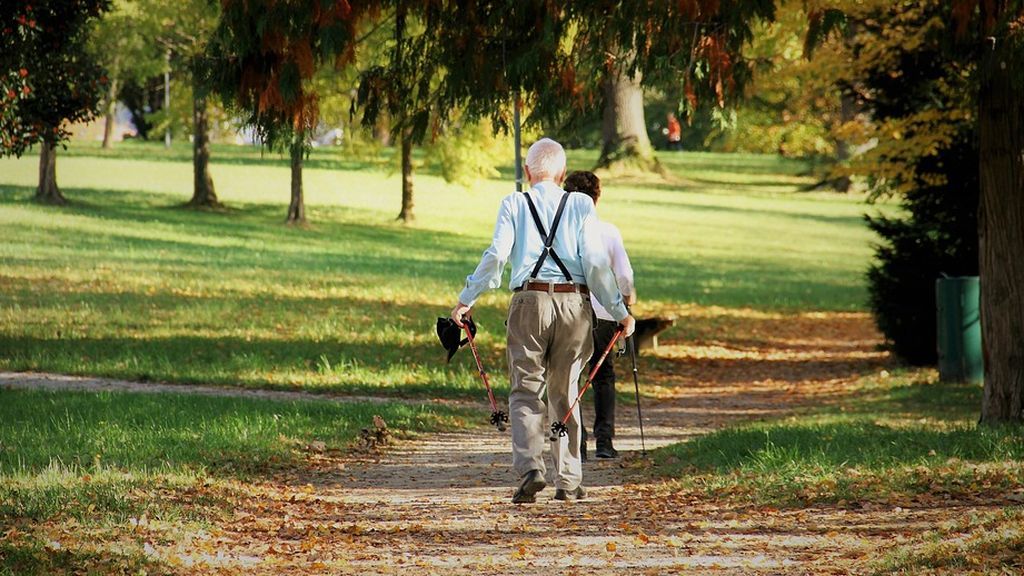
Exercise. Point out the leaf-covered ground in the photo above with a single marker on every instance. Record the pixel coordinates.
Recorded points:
(440, 503)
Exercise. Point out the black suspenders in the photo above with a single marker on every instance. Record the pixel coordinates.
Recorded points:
(548, 237)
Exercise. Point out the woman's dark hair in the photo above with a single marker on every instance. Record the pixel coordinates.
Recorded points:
(585, 182)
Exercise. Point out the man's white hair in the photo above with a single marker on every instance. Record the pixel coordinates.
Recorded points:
(545, 159)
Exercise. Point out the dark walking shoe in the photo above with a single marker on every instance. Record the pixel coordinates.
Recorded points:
(532, 482)
(606, 450)
(578, 494)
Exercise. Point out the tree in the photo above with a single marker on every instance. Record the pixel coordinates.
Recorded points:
(988, 44)
(493, 54)
(792, 103)
(262, 58)
(121, 41)
(624, 137)
(995, 28)
(184, 29)
(139, 39)
(404, 108)
(49, 80)
(921, 145)
(401, 94)
(392, 100)
(937, 238)
(692, 49)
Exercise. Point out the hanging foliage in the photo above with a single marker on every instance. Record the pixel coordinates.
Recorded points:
(487, 54)
(264, 54)
(47, 78)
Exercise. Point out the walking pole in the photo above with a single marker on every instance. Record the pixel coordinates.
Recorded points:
(498, 417)
(559, 428)
(631, 341)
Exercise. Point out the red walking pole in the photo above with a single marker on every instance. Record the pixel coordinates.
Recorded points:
(559, 428)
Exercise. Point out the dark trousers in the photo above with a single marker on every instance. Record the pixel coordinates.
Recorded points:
(604, 381)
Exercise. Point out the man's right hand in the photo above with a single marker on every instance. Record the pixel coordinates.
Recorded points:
(459, 312)
(628, 326)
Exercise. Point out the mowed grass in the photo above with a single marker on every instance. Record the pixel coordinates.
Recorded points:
(896, 439)
(81, 454)
(127, 283)
(901, 441)
(167, 432)
(81, 473)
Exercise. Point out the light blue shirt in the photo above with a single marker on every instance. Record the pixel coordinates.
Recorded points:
(578, 242)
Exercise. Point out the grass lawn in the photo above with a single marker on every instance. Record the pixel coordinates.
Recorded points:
(79, 470)
(127, 283)
(895, 441)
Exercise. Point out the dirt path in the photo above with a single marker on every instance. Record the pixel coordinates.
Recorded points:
(440, 504)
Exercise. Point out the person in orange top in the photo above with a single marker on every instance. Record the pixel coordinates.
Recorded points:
(674, 133)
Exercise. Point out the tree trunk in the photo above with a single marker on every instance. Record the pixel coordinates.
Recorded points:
(167, 96)
(48, 192)
(624, 129)
(406, 215)
(847, 112)
(297, 208)
(110, 115)
(203, 193)
(382, 130)
(1001, 236)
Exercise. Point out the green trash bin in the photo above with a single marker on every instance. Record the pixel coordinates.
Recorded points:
(959, 329)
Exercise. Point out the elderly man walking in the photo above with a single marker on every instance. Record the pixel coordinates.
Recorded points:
(558, 258)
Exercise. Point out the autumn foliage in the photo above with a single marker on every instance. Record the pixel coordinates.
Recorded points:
(265, 52)
(487, 55)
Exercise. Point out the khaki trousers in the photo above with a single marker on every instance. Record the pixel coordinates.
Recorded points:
(549, 343)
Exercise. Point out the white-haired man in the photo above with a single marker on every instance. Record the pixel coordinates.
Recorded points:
(558, 258)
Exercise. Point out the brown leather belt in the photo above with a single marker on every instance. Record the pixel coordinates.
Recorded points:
(554, 287)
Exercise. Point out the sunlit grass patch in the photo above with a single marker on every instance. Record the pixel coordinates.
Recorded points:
(171, 432)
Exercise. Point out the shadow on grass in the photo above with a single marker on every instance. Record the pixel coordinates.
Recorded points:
(748, 282)
(346, 306)
(292, 364)
(679, 162)
(318, 339)
(26, 557)
(762, 368)
(326, 158)
(384, 160)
